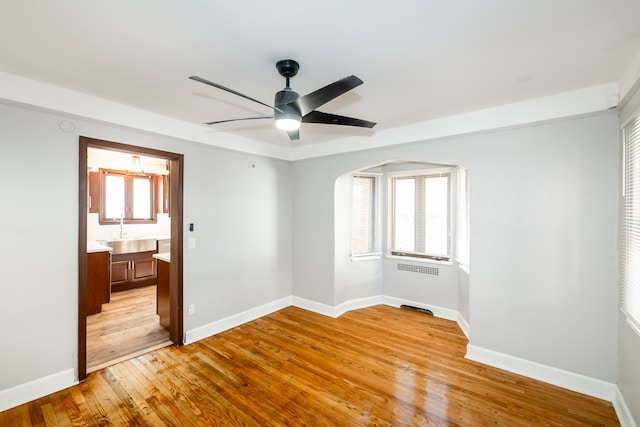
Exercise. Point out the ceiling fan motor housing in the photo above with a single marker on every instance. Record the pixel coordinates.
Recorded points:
(285, 102)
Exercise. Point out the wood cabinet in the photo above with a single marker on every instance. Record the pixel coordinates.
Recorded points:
(134, 270)
(94, 192)
(98, 282)
(163, 294)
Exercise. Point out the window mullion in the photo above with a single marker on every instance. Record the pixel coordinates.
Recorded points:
(419, 215)
(128, 197)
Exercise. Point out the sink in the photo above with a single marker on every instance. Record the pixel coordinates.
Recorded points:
(129, 246)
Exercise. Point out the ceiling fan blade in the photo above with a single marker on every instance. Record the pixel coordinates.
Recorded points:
(216, 85)
(313, 100)
(237, 120)
(334, 119)
(294, 134)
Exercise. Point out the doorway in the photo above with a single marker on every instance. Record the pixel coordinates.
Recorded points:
(174, 183)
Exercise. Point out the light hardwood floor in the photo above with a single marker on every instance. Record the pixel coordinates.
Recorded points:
(128, 326)
(378, 366)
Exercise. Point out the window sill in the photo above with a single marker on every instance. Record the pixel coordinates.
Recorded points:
(633, 325)
(366, 257)
(420, 260)
(464, 268)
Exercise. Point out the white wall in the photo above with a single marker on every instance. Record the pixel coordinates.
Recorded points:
(242, 220)
(464, 286)
(544, 203)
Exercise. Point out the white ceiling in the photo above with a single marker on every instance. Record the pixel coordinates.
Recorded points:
(420, 59)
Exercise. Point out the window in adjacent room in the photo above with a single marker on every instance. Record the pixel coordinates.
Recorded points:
(363, 215)
(130, 197)
(630, 225)
(420, 217)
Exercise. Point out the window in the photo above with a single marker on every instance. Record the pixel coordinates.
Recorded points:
(630, 225)
(363, 215)
(127, 197)
(463, 219)
(420, 216)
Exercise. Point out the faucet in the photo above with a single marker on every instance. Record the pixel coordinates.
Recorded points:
(121, 223)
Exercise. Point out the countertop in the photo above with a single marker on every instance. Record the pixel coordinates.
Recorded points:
(164, 256)
(93, 246)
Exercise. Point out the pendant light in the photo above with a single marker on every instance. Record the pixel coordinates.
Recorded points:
(136, 166)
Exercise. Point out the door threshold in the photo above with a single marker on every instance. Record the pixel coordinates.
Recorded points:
(126, 357)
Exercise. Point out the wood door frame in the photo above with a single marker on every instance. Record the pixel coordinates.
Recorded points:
(176, 184)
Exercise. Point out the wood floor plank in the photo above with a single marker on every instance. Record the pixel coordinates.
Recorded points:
(127, 327)
(379, 366)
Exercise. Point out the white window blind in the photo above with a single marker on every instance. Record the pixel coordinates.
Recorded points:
(463, 219)
(630, 225)
(363, 218)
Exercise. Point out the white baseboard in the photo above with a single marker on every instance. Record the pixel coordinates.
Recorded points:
(221, 325)
(316, 307)
(339, 310)
(356, 304)
(622, 410)
(559, 377)
(445, 313)
(35, 389)
(464, 325)
(27, 392)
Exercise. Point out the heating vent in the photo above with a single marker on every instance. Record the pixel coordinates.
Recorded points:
(419, 269)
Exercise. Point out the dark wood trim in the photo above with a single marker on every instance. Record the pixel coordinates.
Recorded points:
(176, 176)
(176, 182)
(82, 259)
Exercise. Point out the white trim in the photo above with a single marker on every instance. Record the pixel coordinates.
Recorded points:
(408, 258)
(23, 393)
(27, 392)
(356, 304)
(23, 91)
(559, 377)
(230, 322)
(622, 410)
(366, 257)
(463, 267)
(316, 307)
(340, 309)
(567, 104)
(39, 95)
(464, 325)
(445, 313)
(632, 324)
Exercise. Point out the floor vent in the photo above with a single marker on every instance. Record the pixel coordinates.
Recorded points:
(419, 309)
(419, 269)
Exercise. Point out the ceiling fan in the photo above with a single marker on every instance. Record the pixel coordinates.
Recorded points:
(290, 109)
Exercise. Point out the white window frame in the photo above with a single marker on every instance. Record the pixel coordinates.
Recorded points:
(629, 225)
(413, 256)
(376, 253)
(463, 220)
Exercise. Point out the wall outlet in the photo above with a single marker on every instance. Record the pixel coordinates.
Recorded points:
(191, 309)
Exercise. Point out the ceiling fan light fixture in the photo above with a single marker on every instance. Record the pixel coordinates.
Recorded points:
(288, 122)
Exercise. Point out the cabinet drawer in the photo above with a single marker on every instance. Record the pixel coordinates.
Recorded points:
(144, 268)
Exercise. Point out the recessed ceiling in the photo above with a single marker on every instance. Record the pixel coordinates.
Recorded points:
(419, 59)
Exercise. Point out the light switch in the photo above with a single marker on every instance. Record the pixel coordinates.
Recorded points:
(191, 242)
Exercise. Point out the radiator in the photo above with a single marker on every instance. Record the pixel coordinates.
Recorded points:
(433, 271)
